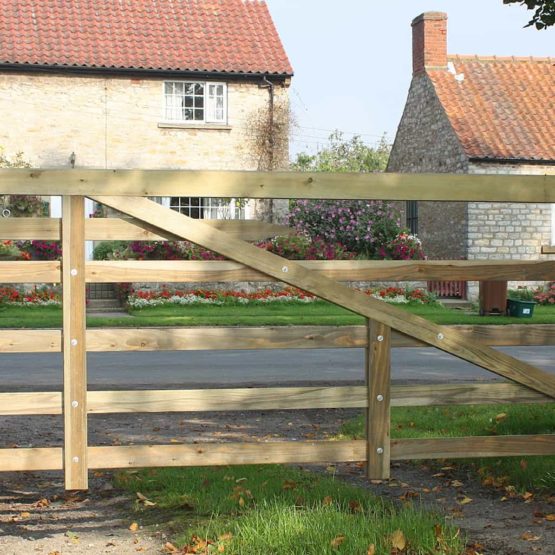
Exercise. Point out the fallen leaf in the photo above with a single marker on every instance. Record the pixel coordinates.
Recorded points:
(42, 503)
(170, 548)
(457, 484)
(327, 501)
(289, 484)
(225, 537)
(24, 514)
(337, 541)
(523, 464)
(371, 549)
(148, 503)
(134, 526)
(355, 506)
(500, 417)
(550, 517)
(140, 496)
(241, 501)
(529, 537)
(527, 496)
(464, 500)
(398, 540)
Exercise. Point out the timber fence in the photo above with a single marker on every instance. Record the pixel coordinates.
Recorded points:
(386, 326)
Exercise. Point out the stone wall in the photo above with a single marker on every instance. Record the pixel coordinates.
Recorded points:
(498, 231)
(426, 142)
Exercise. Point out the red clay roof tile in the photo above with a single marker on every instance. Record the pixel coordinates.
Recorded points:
(500, 108)
(231, 36)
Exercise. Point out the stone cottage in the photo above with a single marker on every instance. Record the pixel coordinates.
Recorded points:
(473, 114)
(158, 84)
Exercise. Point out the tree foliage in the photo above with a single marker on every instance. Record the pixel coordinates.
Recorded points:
(544, 12)
(344, 155)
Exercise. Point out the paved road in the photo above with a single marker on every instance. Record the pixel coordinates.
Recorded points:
(191, 368)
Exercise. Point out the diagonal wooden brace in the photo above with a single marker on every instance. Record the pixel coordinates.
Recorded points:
(288, 271)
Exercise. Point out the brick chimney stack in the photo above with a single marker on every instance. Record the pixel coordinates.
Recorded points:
(429, 42)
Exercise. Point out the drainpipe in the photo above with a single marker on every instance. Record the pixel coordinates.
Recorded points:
(271, 136)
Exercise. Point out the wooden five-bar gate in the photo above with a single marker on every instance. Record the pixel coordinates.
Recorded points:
(387, 326)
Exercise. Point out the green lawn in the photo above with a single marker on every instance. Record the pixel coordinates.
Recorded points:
(278, 510)
(318, 313)
(535, 473)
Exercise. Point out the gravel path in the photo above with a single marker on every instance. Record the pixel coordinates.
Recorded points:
(37, 516)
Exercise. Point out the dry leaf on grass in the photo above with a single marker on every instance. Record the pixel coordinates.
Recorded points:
(464, 500)
(337, 541)
(398, 540)
(371, 550)
(170, 548)
(327, 501)
(355, 506)
(134, 526)
(550, 517)
(501, 416)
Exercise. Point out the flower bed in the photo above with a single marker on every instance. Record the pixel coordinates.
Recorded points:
(166, 296)
(39, 296)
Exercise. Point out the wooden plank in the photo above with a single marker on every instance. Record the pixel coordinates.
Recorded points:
(31, 459)
(74, 344)
(108, 229)
(478, 446)
(30, 271)
(548, 249)
(247, 184)
(274, 398)
(464, 394)
(378, 382)
(232, 399)
(35, 402)
(224, 338)
(292, 273)
(234, 338)
(190, 271)
(30, 341)
(211, 454)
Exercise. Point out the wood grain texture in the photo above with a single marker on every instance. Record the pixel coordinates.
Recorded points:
(225, 338)
(248, 184)
(211, 454)
(109, 229)
(478, 446)
(378, 381)
(231, 399)
(272, 398)
(74, 344)
(342, 270)
(30, 341)
(39, 271)
(31, 459)
(280, 337)
(292, 273)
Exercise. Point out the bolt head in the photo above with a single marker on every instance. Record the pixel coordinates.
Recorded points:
(73, 272)
(380, 338)
(285, 269)
(379, 450)
(440, 336)
(74, 404)
(74, 342)
(379, 397)
(75, 459)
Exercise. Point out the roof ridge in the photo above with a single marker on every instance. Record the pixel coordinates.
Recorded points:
(494, 58)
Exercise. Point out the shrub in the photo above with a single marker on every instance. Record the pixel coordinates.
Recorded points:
(40, 250)
(403, 247)
(362, 227)
(108, 250)
(302, 247)
(545, 295)
(522, 294)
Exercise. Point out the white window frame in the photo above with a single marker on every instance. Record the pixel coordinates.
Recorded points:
(206, 110)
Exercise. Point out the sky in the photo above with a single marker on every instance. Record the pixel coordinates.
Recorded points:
(353, 60)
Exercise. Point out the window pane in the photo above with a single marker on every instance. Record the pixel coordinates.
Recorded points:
(199, 115)
(199, 101)
(188, 114)
(199, 88)
(189, 101)
(168, 88)
(189, 88)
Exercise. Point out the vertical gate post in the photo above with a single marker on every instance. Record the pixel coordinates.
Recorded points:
(378, 380)
(74, 347)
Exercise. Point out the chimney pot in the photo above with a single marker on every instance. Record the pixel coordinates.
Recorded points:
(429, 42)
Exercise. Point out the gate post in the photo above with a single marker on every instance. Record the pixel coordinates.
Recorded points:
(73, 343)
(378, 381)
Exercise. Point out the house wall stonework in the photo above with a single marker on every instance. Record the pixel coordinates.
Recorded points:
(117, 123)
(498, 231)
(426, 142)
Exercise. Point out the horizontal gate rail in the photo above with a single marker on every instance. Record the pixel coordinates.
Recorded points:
(284, 185)
(269, 398)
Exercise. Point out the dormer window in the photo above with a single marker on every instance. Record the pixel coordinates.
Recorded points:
(195, 102)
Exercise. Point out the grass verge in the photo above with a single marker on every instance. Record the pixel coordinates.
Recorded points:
(524, 473)
(267, 510)
(318, 313)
